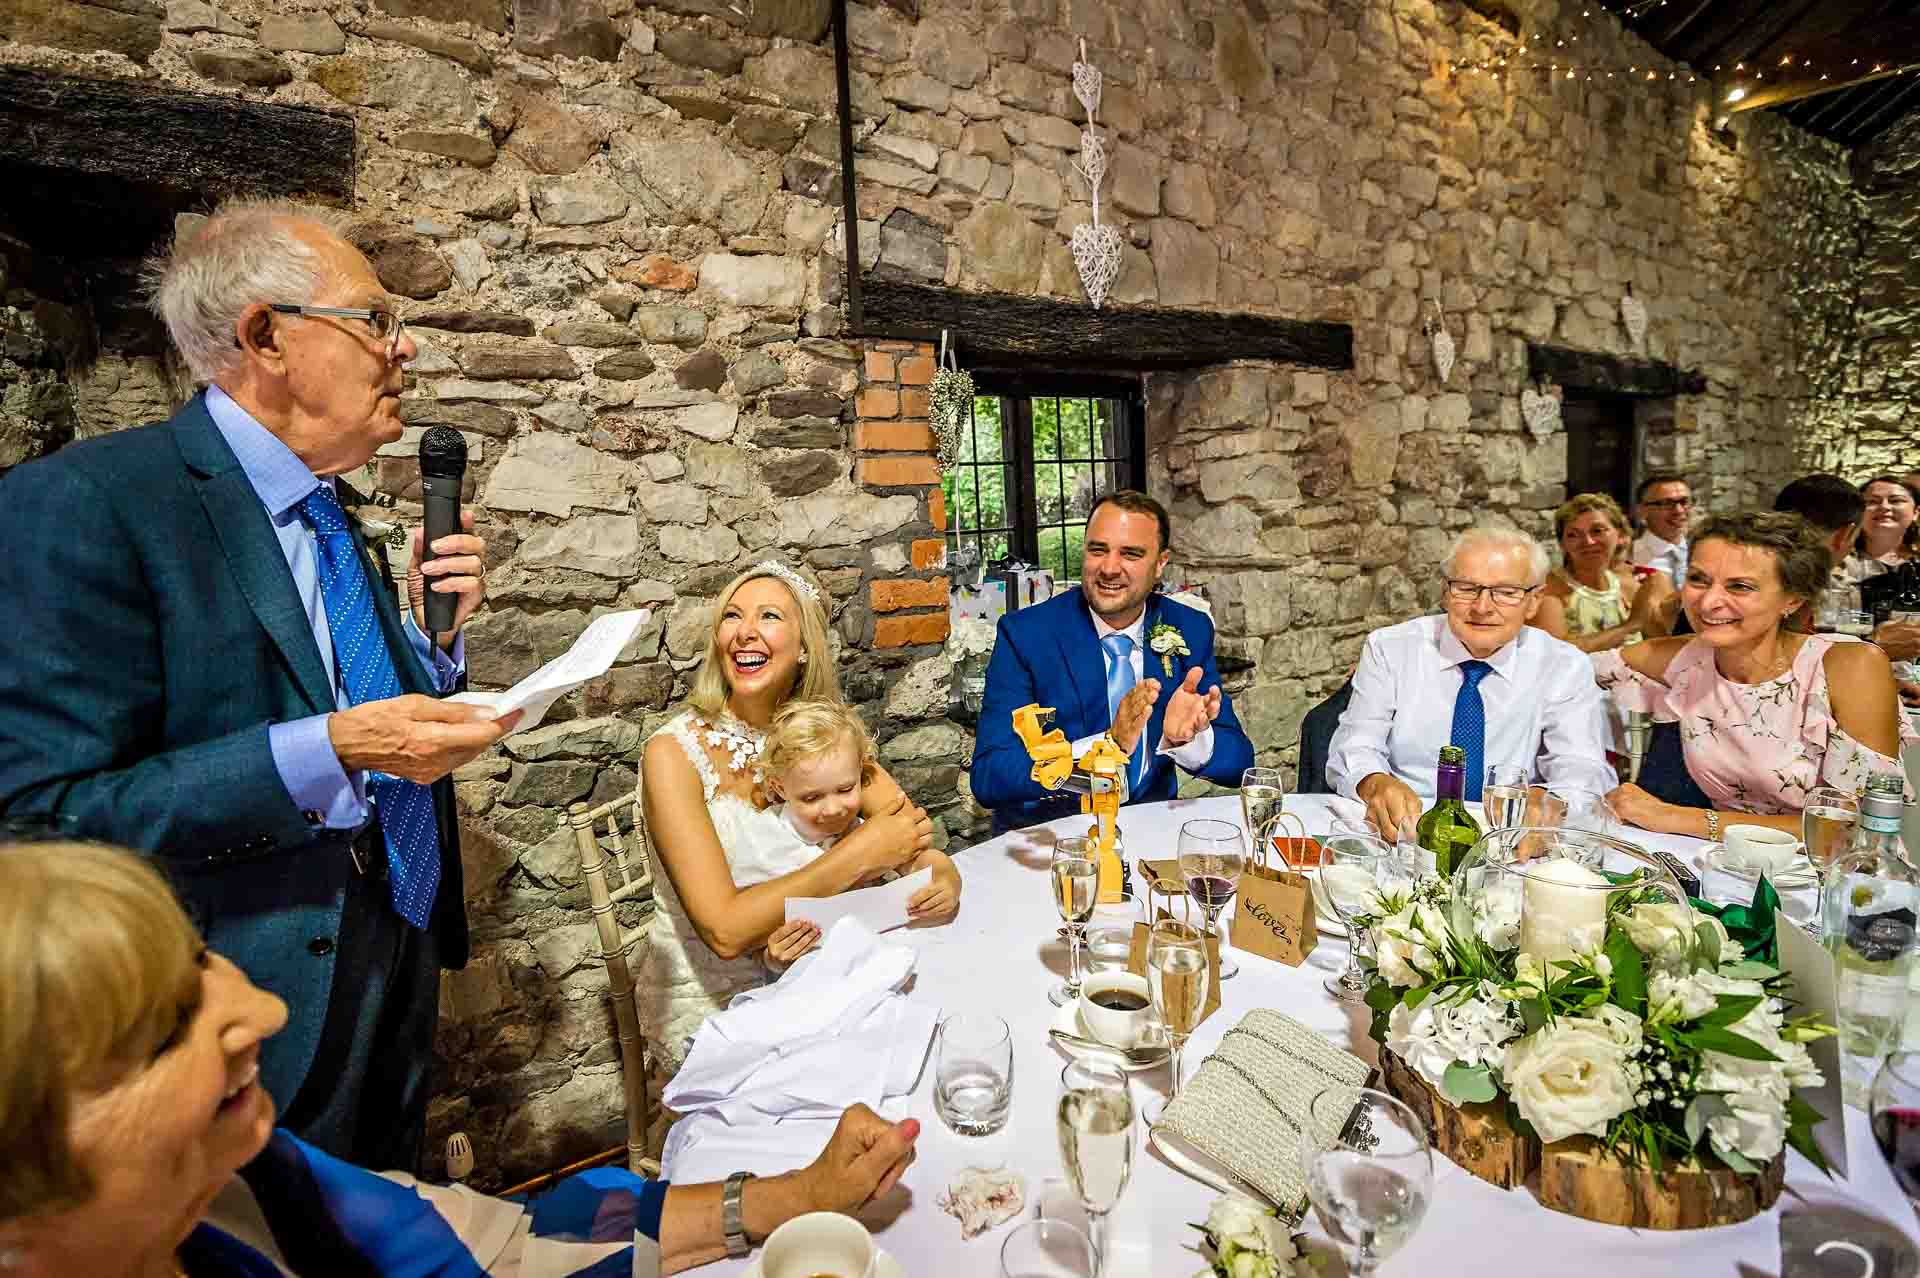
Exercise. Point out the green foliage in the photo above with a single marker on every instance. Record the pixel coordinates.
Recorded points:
(1629, 972)
(1464, 1083)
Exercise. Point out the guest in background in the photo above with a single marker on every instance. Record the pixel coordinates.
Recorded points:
(217, 671)
(1888, 537)
(1766, 714)
(139, 1143)
(1664, 505)
(1586, 602)
(1832, 505)
(1098, 656)
(1478, 677)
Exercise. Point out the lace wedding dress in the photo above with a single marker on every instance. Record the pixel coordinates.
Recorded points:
(682, 981)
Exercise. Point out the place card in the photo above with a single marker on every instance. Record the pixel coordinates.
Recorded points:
(1815, 992)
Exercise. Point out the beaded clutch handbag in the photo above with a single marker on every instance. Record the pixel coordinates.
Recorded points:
(1245, 1109)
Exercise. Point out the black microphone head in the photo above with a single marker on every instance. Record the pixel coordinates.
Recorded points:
(443, 453)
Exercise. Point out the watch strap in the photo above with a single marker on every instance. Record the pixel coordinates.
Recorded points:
(731, 1226)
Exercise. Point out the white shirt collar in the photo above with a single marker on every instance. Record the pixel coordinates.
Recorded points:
(1134, 632)
(1453, 652)
(1661, 544)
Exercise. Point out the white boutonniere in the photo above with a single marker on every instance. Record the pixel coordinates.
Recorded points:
(1169, 643)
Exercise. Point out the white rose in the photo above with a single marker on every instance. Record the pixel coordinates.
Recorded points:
(1241, 1221)
(1673, 998)
(1618, 1024)
(1662, 932)
(1569, 1078)
(1408, 946)
(1757, 1132)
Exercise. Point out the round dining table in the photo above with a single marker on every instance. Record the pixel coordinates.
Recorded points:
(1002, 953)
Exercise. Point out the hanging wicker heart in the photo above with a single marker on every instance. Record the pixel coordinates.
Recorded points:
(1086, 86)
(1541, 411)
(1442, 353)
(947, 400)
(1096, 254)
(1634, 316)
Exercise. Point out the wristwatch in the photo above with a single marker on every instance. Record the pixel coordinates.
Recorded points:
(730, 1224)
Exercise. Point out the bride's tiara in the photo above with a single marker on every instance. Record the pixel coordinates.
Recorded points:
(795, 582)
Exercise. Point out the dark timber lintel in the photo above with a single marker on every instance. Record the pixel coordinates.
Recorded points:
(1044, 330)
(1611, 374)
(184, 142)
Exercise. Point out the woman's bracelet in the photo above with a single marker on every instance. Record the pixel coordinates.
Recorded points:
(1713, 826)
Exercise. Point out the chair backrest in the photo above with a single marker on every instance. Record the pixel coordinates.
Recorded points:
(1664, 774)
(617, 872)
(1316, 741)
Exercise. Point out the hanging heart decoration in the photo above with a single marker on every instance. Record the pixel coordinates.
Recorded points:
(1096, 255)
(1086, 83)
(1442, 343)
(947, 401)
(1634, 316)
(1541, 411)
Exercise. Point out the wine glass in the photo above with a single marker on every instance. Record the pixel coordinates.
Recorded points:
(1369, 1172)
(1046, 1249)
(1095, 1126)
(1350, 869)
(1826, 824)
(1894, 1109)
(1504, 796)
(1075, 877)
(1177, 980)
(1261, 792)
(1212, 859)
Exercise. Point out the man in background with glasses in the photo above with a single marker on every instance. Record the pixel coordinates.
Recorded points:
(1476, 676)
(1664, 508)
(206, 661)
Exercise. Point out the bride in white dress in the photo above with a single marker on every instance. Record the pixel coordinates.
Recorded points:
(729, 865)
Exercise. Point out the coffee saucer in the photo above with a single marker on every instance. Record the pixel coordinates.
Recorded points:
(884, 1266)
(1798, 873)
(1068, 1021)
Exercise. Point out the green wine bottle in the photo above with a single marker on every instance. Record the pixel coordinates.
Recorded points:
(1448, 830)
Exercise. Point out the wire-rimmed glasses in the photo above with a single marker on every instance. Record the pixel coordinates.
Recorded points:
(385, 325)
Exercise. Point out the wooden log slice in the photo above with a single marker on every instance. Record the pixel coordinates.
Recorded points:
(1576, 1178)
(1476, 1136)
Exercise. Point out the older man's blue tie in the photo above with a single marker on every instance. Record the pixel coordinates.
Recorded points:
(1120, 681)
(1470, 724)
(366, 671)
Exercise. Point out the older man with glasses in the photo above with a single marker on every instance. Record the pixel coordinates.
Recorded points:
(1476, 676)
(1664, 506)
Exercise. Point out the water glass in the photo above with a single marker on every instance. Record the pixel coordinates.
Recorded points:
(1109, 949)
(1177, 982)
(1893, 1107)
(1572, 808)
(973, 1073)
(1046, 1249)
(1504, 796)
(1826, 824)
(1369, 1172)
(1074, 878)
(1212, 859)
(1350, 872)
(1095, 1125)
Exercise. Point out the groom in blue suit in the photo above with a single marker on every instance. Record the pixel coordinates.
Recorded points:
(1113, 657)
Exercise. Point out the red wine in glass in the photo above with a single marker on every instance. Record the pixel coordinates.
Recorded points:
(1212, 891)
(1897, 1129)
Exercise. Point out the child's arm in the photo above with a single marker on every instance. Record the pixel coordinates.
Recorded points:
(940, 899)
(789, 941)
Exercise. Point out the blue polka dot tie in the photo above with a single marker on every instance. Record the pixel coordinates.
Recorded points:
(1120, 681)
(366, 671)
(1470, 724)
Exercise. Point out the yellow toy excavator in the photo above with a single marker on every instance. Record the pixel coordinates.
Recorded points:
(1099, 777)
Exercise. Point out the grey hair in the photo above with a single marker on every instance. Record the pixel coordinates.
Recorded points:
(245, 251)
(1502, 539)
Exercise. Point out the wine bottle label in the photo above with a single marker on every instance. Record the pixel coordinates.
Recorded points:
(1870, 996)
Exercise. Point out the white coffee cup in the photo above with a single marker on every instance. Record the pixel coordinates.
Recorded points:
(820, 1244)
(1115, 1025)
(1760, 847)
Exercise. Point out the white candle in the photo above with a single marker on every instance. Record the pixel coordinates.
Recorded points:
(1561, 906)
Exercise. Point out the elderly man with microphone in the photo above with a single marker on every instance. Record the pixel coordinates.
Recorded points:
(205, 660)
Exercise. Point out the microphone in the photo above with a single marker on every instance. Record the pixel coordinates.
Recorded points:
(443, 464)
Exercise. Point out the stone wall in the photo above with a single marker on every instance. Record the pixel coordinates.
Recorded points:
(617, 228)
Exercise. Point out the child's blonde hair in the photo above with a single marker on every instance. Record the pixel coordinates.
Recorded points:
(804, 729)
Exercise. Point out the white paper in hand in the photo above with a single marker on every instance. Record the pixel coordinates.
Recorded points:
(880, 908)
(592, 654)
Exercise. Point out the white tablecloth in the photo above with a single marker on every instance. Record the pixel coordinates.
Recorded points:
(1002, 953)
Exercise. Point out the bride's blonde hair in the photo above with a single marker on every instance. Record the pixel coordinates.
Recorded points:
(817, 680)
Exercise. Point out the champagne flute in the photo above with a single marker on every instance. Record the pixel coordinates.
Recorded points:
(1177, 980)
(1350, 870)
(1075, 877)
(1826, 825)
(1095, 1126)
(1046, 1249)
(1504, 796)
(1369, 1172)
(1212, 859)
(1261, 793)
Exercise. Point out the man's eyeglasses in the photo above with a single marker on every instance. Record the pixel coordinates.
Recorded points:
(1668, 503)
(1470, 591)
(385, 325)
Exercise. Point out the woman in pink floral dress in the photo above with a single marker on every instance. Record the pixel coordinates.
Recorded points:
(1766, 714)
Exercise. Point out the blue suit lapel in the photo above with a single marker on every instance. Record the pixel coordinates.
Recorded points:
(253, 552)
(1152, 669)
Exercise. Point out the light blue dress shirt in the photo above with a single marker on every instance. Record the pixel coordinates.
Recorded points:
(302, 751)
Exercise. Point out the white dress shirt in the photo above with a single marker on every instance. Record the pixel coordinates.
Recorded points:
(1192, 756)
(1544, 711)
(1651, 550)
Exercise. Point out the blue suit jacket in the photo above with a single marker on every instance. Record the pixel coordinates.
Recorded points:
(1050, 654)
(154, 634)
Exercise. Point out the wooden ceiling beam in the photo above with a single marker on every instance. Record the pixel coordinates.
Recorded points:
(1890, 110)
(1894, 47)
(1773, 95)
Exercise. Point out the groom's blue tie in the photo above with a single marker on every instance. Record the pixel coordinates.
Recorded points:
(1120, 681)
(366, 671)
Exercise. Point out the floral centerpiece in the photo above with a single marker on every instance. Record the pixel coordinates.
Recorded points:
(1640, 1023)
